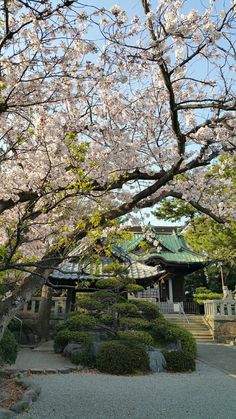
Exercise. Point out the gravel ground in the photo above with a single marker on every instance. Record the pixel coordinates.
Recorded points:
(206, 394)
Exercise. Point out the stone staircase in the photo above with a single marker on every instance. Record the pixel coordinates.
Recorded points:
(195, 325)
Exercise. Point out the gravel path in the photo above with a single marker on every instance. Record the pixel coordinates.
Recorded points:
(205, 394)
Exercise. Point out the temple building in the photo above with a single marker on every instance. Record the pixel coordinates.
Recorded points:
(157, 258)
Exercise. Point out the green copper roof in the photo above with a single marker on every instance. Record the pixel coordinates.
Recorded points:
(168, 246)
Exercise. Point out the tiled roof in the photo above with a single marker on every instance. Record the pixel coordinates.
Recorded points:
(171, 249)
(73, 270)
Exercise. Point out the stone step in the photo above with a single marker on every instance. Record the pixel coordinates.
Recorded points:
(194, 325)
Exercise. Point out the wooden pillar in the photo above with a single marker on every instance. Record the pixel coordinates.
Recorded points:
(44, 313)
(170, 290)
(70, 300)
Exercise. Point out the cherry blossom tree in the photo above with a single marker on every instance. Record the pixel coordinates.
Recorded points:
(92, 130)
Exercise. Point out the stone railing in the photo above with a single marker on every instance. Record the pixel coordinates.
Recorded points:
(31, 309)
(220, 309)
(220, 316)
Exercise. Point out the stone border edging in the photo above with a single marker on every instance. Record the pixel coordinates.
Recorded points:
(29, 396)
(11, 373)
(32, 390)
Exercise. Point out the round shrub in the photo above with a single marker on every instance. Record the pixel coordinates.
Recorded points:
(78, 321)
(109, 283)
(90, 304)
(125, 308)
(107, 319)
(134, 323)
(85, 358)
(8, 348)
(149, 310)
(169, 332)
(106, 297)
(134, 288)
(179, 361)
(136, 336)
(117, 357)
(66, 336)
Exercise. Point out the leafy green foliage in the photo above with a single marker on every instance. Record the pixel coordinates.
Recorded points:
(109, 283)
(90, 304)
(202, 294)
(106, 297)
(147, 309)
(77, 321)
(179, 361)
(65, 336)
(118, 357)
(85, 358)
(134, 323)
(134, 288)
(136, 336)
(169, 332)
(125, 309)
(8, 348)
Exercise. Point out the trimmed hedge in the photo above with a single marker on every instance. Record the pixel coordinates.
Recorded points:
(149, 310)
(78, 321)
(90, 304)
(109, 283)
(134, 323)
(8, 348)
(179, 361)
(136, 336)
(125, 309)
(120, 358)
(169, 332)
(66, 336)
(85, 358)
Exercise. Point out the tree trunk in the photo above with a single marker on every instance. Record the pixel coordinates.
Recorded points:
(43, 326)
(11, 305)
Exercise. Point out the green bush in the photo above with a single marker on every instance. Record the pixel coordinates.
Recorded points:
(125, 309)
(136, 336)
(169, 332)
(109, 283)
(90, 304)
(78, 321)
(85, 358)
(120, 358)
(66, 336)
(8, 348)
(106, 297)
(179, 361)
(200, 298)
(134, 288)
(15, 325)
(149, 310)
(134, 323)
(107, 319)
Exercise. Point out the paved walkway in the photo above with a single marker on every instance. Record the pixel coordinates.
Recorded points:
(219, 356)
(40, 358)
